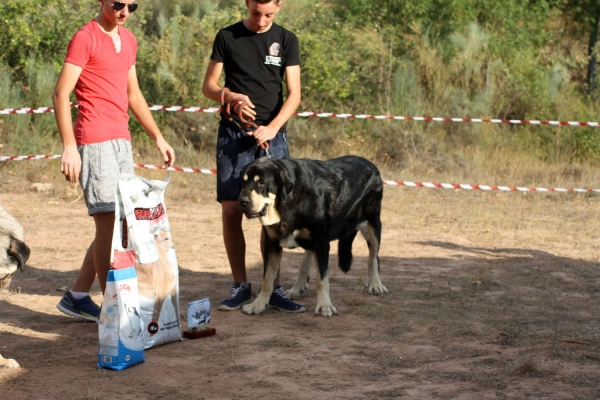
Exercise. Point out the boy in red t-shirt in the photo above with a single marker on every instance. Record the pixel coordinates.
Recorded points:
(100, 67)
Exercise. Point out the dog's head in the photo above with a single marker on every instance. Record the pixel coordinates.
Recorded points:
(14, 253)
(264, 186)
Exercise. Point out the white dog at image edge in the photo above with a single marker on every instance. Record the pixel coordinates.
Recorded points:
(14, 253)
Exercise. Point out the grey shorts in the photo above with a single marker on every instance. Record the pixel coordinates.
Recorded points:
(235, 150)
(101, 165)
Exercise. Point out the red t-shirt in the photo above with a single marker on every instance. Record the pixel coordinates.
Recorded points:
(101, 90)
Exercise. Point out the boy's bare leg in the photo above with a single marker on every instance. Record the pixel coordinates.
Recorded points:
(87, 273)
(102, 245)
(235, 243)
(233, 237)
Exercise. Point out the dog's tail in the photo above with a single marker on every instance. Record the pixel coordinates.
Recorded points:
(345, 252)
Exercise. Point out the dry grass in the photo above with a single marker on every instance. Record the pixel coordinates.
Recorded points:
(305, 321)
(494, 165)
(240, 368)
(527, 367)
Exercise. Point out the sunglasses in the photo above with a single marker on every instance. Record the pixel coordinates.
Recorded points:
(118, 6)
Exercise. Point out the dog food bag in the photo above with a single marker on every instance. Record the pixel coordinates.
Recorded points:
(120, 327)
(142, 238)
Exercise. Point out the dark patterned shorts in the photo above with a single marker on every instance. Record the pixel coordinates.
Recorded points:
(235, 149)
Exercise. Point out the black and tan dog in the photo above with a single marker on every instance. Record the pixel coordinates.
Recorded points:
(308, 203)
(14, 253)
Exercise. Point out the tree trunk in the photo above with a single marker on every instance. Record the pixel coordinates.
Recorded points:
(592, 51)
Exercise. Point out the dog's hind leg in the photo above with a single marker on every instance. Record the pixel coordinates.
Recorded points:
(372, 234)
(301, 286)
(345, 252)
(324, 305)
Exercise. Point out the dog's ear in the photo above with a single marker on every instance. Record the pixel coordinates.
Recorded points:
(20, 251)
(285, 183)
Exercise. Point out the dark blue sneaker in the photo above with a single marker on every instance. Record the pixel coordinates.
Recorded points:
(84, 308)
(279, 301)
(240, 294)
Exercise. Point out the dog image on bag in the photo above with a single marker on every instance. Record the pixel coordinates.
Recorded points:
(14, 253)
(156, 279)
(135, 321)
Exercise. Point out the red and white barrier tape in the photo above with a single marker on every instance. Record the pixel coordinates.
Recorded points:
(447, 119)
(184, 109)
(463, 186)
(41, 110)
(179, 169)
(487, 187)
(21, 158)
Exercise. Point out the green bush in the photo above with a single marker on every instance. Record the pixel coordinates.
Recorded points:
(487, 59)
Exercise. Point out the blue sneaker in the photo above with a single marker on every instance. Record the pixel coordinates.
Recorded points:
(83, 308)
(279, 301)
(241, 294)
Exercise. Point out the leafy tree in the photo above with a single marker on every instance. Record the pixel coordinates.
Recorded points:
(584, 17)
(41, 28)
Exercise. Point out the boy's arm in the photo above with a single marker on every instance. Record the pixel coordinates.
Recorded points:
(212, 90)
(210, 86)
(70, 160)
(291, 103)
(139, 107)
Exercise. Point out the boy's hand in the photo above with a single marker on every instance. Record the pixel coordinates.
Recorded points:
(242, 104)
(70, 163)
(166, 151)
(263, 134)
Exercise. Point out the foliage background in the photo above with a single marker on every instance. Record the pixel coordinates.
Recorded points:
(456, 58)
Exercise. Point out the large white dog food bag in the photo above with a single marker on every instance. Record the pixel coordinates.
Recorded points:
(120, 327)
(142, 238)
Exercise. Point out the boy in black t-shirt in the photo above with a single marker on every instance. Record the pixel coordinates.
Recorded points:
(256, 55)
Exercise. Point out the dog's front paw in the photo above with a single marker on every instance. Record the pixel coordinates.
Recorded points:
(256, 307)
(9, 363)
(326, 310)
(375, 288)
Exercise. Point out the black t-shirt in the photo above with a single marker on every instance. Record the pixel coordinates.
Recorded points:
(254, 64)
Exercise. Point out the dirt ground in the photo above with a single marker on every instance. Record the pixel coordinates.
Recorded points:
(491, 295)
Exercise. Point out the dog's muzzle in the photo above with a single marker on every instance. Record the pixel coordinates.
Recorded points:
(248, 207)
(251, 215)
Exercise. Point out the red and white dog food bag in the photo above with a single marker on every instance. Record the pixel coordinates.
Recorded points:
(142, 238)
